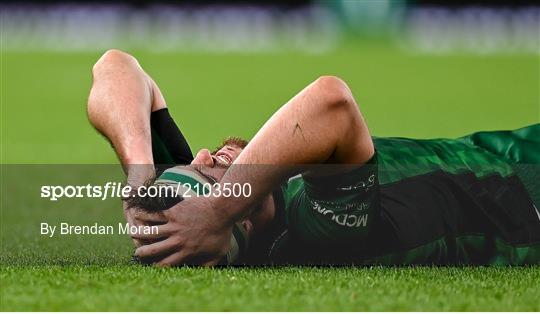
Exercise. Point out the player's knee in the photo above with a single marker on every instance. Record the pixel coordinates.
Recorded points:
(333, 93)
(112, 58)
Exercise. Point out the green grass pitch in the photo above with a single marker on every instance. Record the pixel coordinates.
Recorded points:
(43, 122)
(128, 288)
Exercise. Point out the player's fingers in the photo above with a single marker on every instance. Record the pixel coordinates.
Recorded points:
(173, 259)
(211, 263)
(131, 222)
(166, 213)
(153, 232)
(154, 218)
(129, 217)
(157, 248)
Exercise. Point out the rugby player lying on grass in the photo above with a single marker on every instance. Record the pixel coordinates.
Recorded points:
(391, 201)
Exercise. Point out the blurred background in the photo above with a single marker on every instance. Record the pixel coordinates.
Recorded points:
(417, 68)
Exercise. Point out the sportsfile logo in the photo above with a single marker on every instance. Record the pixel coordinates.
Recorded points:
(346, 219)
(102, 192)
(119, 190)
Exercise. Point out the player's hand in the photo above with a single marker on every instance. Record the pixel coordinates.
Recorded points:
(195, 234)
(137, 217)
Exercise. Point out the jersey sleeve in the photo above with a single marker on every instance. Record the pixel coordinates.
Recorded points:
(332, 211)
(169, 146)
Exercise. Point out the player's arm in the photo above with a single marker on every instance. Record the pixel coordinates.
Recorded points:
(322, 124)
(121, 100)
(120, 103)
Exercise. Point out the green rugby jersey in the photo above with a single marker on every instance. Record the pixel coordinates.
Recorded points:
(471, 200)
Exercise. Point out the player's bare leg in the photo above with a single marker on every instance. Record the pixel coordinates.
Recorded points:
(119, 106)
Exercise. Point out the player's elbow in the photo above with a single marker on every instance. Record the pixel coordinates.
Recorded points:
(333, 93)
(112, 58)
